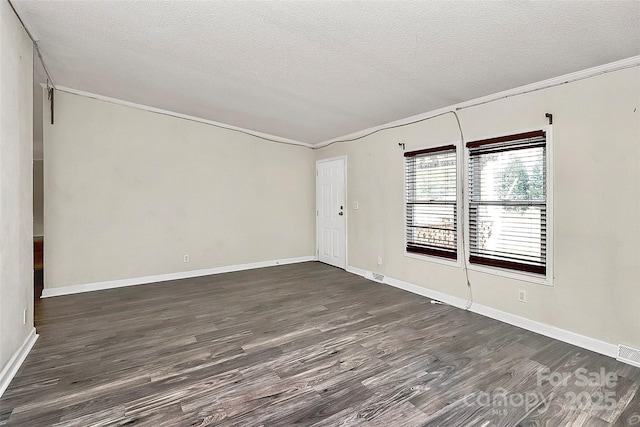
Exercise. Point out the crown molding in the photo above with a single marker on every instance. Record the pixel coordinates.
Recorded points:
(262, 135)
(633, 61)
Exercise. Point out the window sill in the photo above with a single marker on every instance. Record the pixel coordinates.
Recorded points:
(511, 274)
(433, 258)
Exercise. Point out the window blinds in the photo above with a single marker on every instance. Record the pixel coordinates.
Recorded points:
(508, 202)
(431, 207)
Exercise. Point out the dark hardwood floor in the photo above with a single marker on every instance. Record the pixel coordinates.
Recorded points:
(303, 344)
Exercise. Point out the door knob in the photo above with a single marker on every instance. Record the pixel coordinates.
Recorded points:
(340, 213)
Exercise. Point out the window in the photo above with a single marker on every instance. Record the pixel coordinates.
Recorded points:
(431, 202)
(508, 202)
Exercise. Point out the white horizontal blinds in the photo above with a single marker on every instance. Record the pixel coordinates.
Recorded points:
(431, 201)
(508, 202)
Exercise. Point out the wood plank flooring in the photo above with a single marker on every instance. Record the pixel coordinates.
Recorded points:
(303, 344)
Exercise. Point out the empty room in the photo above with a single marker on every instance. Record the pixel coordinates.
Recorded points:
(319, 213)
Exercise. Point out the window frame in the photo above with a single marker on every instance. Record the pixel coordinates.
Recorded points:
(546, 279)
(427, 257)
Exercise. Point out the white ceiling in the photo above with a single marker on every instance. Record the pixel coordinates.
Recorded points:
(313, 71)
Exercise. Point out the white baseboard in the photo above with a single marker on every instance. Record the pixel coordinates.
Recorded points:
(97, 286)
(573, 338)
(588, 343)
(11, 368)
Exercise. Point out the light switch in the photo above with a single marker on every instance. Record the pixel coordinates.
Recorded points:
(355, 205)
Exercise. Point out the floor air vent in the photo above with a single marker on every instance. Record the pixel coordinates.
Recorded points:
(377, 276)
(628, 355)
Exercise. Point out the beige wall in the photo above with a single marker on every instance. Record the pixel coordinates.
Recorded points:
(38, 198)
(16, 145)
(597, 205)
(128, 193)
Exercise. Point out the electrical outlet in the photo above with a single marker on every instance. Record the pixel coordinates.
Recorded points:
(186, 258)
(522, 296)
(24, 316)
(379, 260)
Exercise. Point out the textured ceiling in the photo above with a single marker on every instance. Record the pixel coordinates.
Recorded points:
(312, 71)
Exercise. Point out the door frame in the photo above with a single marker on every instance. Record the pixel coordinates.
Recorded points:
(346, 210)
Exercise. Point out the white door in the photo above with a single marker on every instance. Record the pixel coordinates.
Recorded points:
(331, 212)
